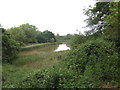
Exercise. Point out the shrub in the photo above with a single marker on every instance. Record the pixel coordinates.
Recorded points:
(54, 77)
(76, 40)
(10, 47)
(96, 60)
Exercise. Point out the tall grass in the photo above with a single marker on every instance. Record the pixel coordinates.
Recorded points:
(30, 60)
(37, 57)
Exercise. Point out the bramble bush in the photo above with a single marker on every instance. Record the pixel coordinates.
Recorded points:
(96, 60)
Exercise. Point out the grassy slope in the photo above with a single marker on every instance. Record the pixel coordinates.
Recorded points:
(28, 61)
(34, 46)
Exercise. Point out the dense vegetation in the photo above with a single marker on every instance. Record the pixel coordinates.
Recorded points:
(10, 47)
(27, 34)
(90, 65)
(65, 38)
(92, 62)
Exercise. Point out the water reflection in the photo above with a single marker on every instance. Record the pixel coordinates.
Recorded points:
(62, 47)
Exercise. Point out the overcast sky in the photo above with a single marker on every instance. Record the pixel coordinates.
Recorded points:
(58, 16)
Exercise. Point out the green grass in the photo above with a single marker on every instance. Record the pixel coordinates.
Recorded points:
(12, 75)
(26, 59)
(29, 61)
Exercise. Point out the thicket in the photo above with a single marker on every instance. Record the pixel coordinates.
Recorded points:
(96, 60)
(10, 47)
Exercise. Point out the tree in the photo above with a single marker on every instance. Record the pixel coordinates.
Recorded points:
(17, 34)
(64, 38)
(10, 47)
(30, 32)
(40, 38)
(112, 24)
(45, 36)
(25, 33)
(104, 19)
(49, 36)
(112, 21)
(76, 40)
(96, 14)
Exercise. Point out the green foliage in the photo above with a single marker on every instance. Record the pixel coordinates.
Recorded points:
(80, 39)
(104, 19)
(95, 60)
(27, 34)
(30, 32)
(10, 47)
(54, 77)
(18, 35)
(96, 14)
(76, 40)
(65, 38)
(49, 36)
(12, 75)
(46, 36)
(40, 38)
(87, 66)
(92, 61)
(29, 62)
(112, 22)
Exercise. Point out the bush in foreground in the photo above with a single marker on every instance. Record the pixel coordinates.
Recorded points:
(97, 62)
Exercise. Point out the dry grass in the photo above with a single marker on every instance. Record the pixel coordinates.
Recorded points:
(38, 57)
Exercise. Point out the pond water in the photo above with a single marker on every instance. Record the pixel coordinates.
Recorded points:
(62, 47)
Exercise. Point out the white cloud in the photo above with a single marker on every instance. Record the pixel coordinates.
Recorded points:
(58, 16)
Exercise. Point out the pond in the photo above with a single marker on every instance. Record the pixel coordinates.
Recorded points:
(62, 47)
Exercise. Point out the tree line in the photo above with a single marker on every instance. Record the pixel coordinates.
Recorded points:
(15, 37)
(26, 34)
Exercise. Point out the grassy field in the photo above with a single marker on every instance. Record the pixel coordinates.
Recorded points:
(30, 60)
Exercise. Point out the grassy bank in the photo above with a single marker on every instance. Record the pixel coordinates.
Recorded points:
(30, 59)
(34, 46)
